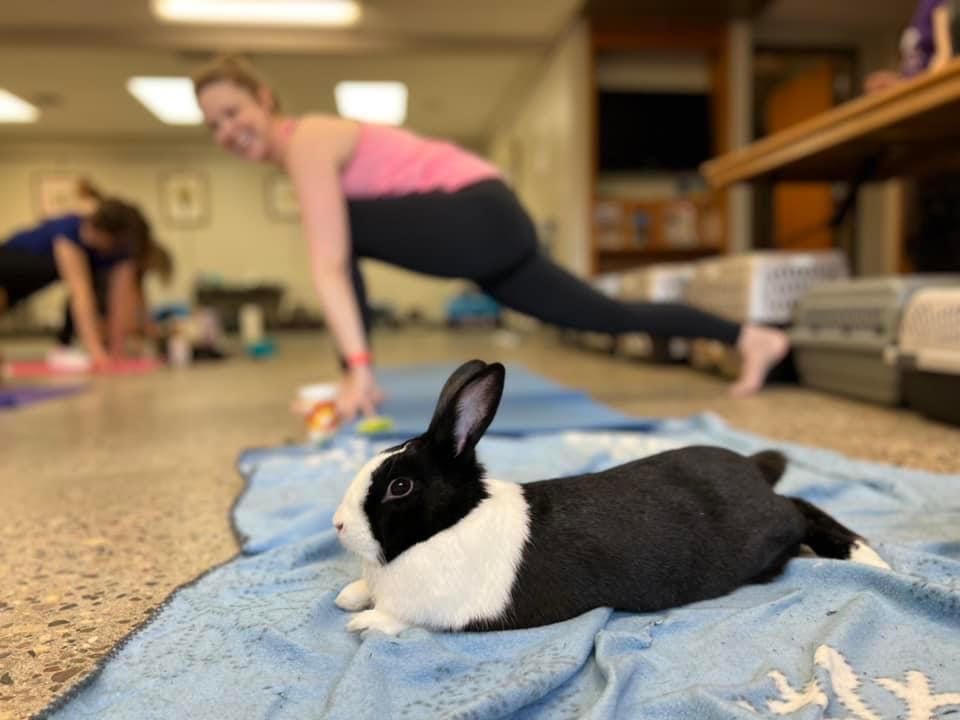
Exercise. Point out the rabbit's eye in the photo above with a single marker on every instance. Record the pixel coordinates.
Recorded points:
(398, 488)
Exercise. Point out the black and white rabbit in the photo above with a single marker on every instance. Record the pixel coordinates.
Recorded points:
(446, 548)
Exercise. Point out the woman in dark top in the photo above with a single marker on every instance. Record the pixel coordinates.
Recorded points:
(71, 249)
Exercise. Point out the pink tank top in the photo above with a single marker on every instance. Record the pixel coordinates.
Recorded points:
(389, 161)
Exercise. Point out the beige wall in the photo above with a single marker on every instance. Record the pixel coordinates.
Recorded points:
(544, 147)
(241, 242)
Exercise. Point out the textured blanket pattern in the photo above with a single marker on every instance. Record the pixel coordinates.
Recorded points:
(260, 637)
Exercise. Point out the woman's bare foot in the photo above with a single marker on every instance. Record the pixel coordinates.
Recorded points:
(760, 349)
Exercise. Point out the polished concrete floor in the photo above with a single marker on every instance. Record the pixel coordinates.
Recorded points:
(112, 498)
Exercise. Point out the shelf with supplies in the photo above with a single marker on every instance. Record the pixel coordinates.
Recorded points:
(630, 233)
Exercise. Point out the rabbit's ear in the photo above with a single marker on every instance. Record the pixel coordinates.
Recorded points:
(458, 427)
(454, 383)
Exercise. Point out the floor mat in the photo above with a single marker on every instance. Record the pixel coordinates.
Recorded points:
(27, 369)
(20, 395)
(260, 636)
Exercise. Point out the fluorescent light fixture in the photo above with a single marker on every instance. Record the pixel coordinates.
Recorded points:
(16, 110)
(171, 99)
(259, 12)
(378, 102)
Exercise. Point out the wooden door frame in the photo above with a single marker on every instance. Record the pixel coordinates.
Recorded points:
(670, 36)
(763, 224)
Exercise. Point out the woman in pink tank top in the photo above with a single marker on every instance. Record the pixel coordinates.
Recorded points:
(428, 206)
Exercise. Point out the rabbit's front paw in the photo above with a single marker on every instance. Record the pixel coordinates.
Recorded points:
(376, 620)
(355, 596)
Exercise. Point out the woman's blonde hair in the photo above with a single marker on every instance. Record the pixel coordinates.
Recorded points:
(234, 69)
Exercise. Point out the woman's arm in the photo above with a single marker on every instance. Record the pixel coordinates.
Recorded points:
(313, 168)
(123, 305)
(145, 324)
(313, 165)
(75, 273)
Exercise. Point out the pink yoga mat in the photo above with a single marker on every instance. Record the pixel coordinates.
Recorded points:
(40, 368)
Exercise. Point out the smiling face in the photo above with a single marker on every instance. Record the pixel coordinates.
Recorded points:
(238, 119)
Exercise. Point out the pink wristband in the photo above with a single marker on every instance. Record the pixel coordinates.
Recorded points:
(360, 359)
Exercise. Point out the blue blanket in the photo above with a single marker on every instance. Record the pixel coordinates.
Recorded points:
(260, 637)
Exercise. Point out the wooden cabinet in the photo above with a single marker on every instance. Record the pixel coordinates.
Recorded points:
(630, 233)
(633, 228)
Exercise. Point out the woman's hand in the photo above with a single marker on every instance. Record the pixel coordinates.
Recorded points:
(358, 393)
(881, 80)
(100, 361)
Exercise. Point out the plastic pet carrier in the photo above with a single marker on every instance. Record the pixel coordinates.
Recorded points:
(665, 282)
(930, 353)
(845, 334)
(761, 287)
(657, 283)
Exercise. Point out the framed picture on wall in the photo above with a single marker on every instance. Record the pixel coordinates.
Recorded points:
(55, 193)
(185, 198)
(280, 198)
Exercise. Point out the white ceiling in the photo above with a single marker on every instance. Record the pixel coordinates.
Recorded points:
(463, 61)
(466, 62)
(506, 18)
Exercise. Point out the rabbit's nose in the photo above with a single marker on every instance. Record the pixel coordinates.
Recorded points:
(338, 526)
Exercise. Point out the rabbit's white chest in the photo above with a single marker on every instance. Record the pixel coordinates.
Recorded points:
(462, 574)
